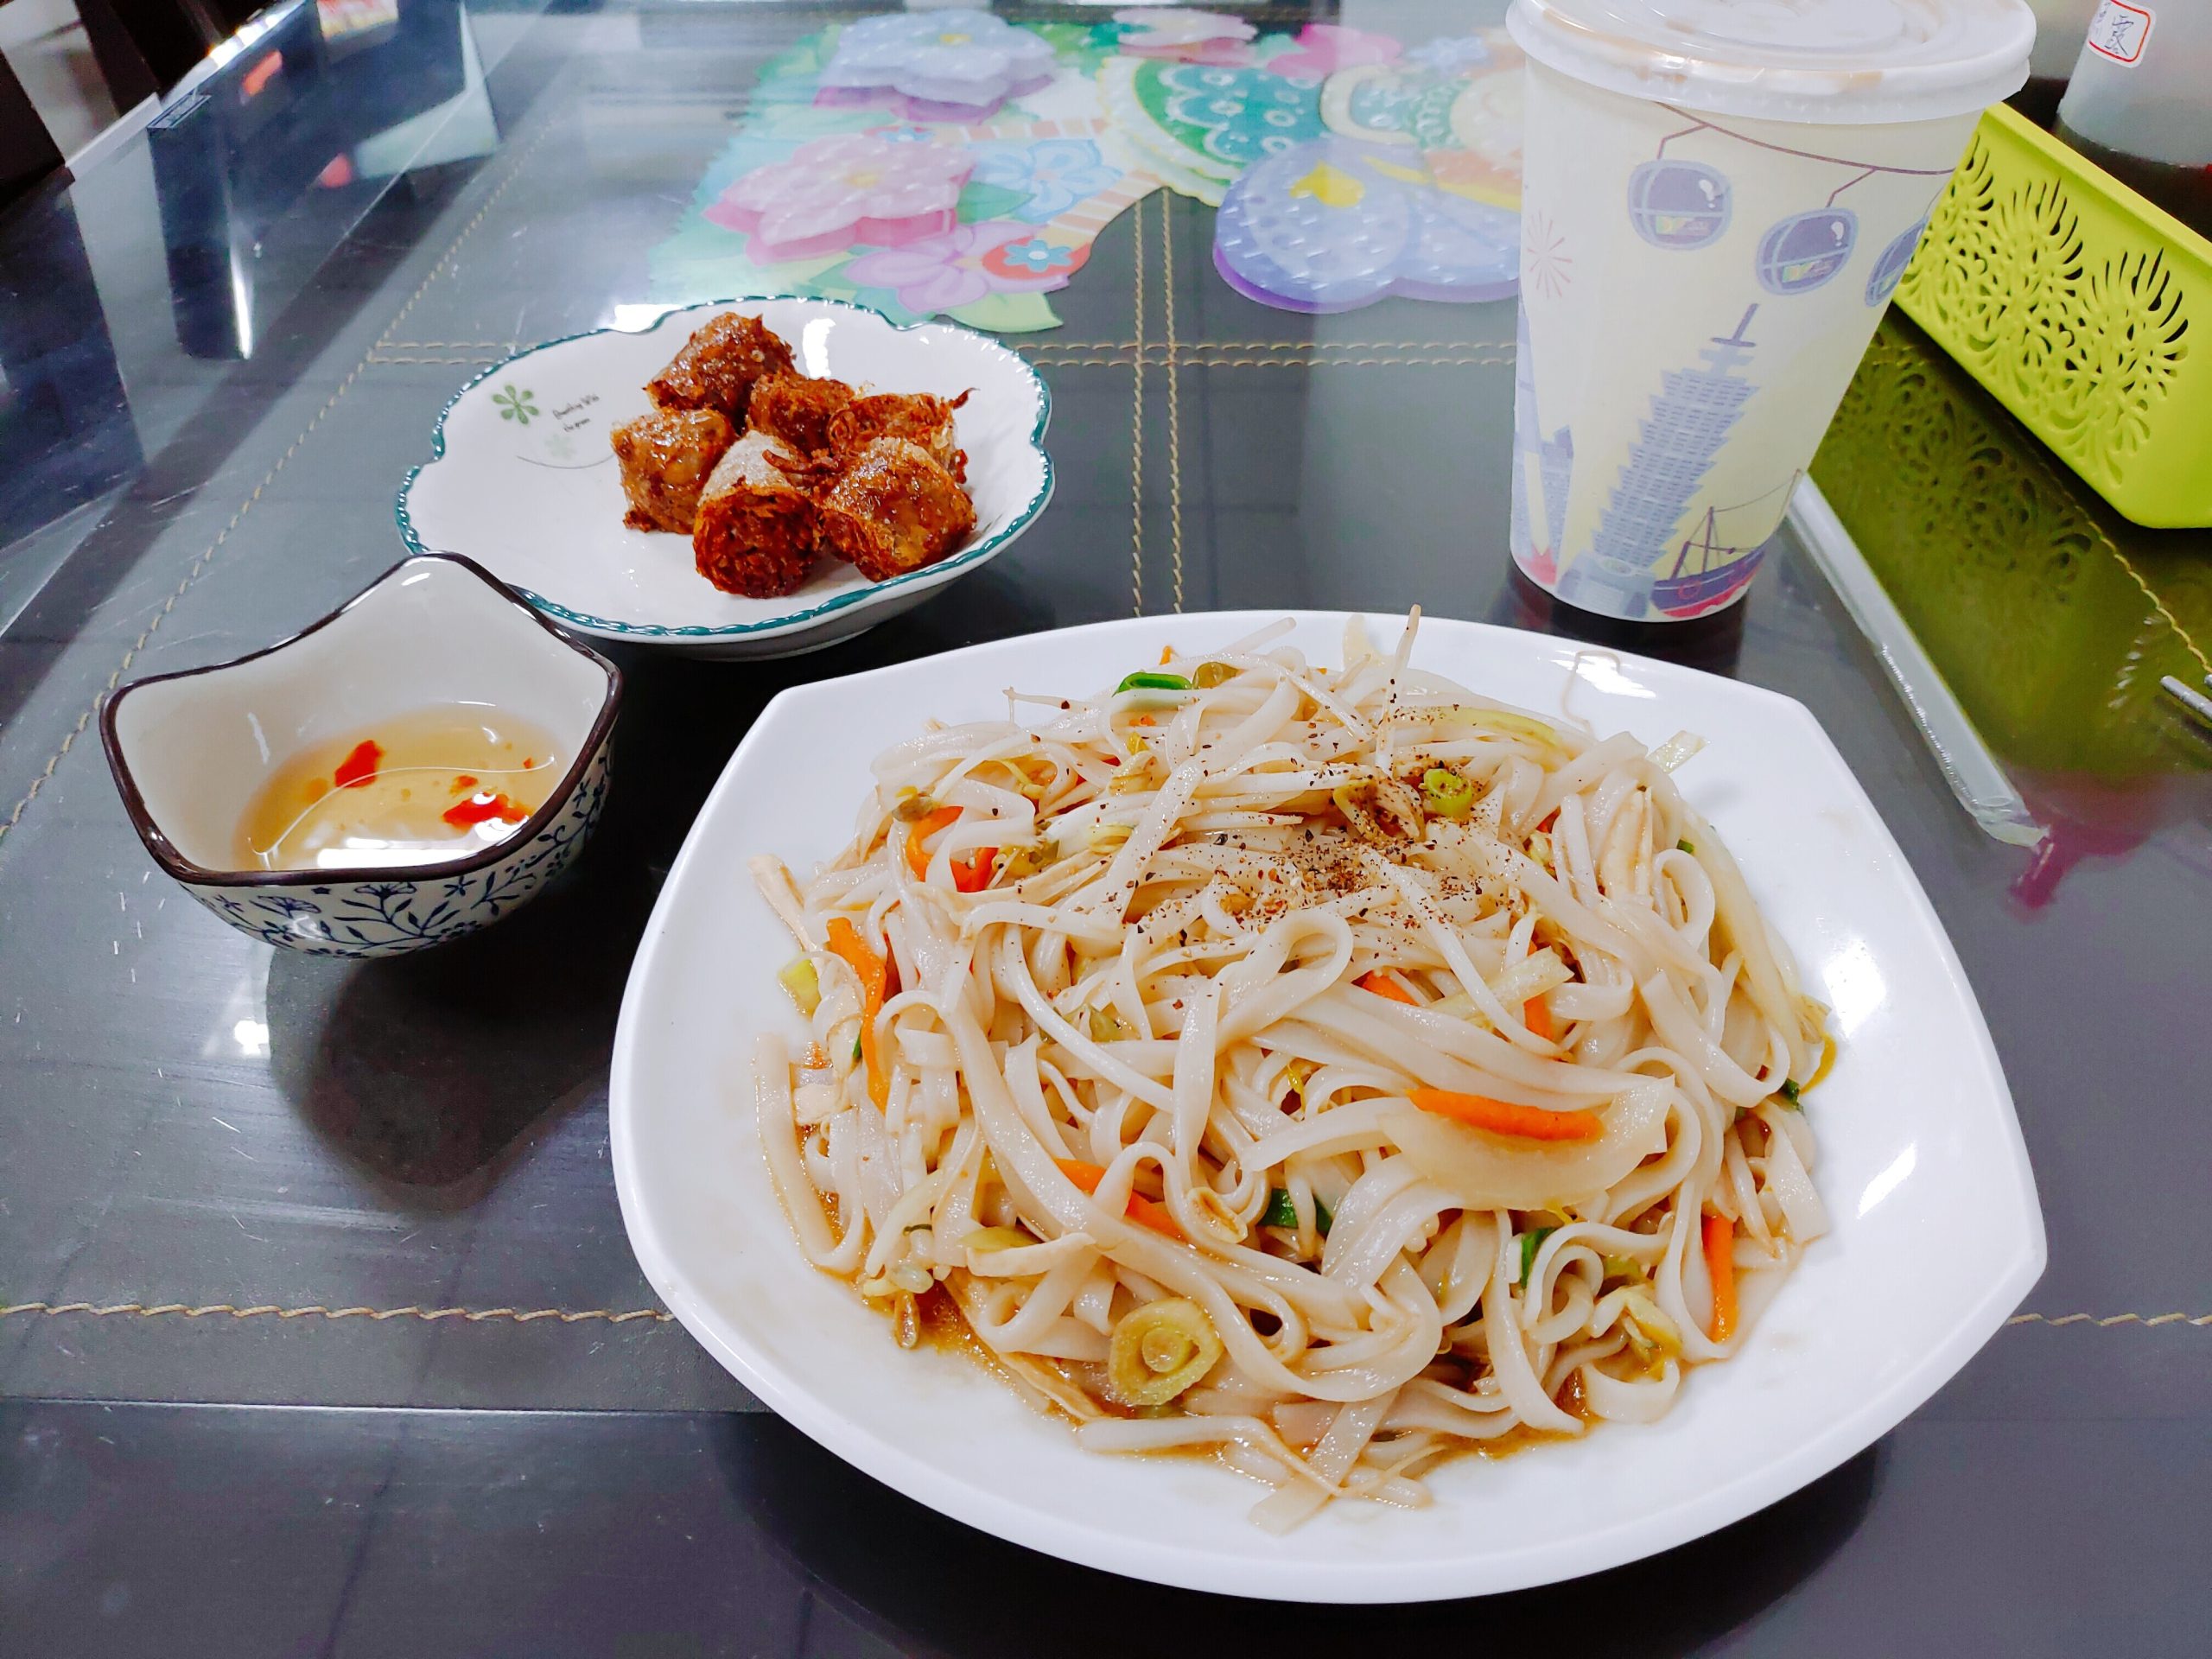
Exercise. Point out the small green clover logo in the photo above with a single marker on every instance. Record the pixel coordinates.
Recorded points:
(515, 405)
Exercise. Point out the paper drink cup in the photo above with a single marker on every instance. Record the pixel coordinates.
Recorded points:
(1719, 198)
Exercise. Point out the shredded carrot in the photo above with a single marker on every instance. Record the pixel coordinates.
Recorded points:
(1158, 1216)
(1503, 1117)
(1721, 1267)
(1382, 985)
(1145, 1212)
(1535, 1013)
(874, 973)
(918, 860)
(970, 874)
(1167, 655)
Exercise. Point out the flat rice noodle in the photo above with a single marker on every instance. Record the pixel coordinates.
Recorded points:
(1452, 1053)
(1621, 1400)
(1488, 1171)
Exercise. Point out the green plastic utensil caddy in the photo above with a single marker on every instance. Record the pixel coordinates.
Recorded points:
(2084, 308)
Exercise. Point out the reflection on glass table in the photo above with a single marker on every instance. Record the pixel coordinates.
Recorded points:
(2050, 621)
(317, 102)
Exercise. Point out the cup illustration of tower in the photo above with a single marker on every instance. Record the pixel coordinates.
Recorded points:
(1690, 417)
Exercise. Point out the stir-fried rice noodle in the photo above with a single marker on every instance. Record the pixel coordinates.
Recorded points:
(1332, 1070)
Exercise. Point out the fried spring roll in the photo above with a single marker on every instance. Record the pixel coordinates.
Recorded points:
(665, 458)
(894, 509)
(719, 363)
(757, 530)
(797, 409)
(917, 417)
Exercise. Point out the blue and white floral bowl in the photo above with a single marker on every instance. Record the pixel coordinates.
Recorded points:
(190, 750)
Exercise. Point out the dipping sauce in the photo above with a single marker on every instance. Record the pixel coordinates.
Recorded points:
(424, 788)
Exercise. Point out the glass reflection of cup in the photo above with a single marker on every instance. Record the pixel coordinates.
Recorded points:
(1718, 198)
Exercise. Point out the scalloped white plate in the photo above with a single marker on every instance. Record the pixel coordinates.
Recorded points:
(1937, 1233)
(522, 479)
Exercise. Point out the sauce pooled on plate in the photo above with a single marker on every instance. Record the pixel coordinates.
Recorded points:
(423, 788)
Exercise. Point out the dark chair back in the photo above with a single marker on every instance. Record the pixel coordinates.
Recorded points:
(28, 156)
(148, 46)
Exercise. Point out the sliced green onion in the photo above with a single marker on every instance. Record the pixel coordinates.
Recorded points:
(996, 1238)
(1167, 1408)
(1209, 675)
(1501, 719)
(1147, 679)
(1791, 1092)
(856, 1049)
(1684, 846)
(1446, 793)
(801, 984)
(1108, 1026)
(1281, 1212)
(1531, 1242)
(1622, 1267)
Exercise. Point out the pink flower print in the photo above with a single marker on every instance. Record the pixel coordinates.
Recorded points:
(836, 193)
(1189, 36)
(1324, 49)
(962, 266)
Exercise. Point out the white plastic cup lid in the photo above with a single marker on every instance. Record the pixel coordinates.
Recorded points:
(1852, 61)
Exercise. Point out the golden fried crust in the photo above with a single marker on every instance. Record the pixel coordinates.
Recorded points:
(756, 530)
(719, 363)
(796, 409)
(917, 417)
(894, 510)
(665, 458)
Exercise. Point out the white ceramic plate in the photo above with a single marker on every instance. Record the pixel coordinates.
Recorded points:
(522, 479)
(1938, 1234)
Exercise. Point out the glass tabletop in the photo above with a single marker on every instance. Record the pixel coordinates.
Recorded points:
(242, 1177)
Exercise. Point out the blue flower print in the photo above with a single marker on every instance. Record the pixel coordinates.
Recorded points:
(1055, 174)
(1037, 257)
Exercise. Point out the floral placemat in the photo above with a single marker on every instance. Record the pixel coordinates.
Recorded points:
(952, 162)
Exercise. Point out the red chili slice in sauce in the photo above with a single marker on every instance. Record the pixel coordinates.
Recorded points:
(482, 809)
(359, 768)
